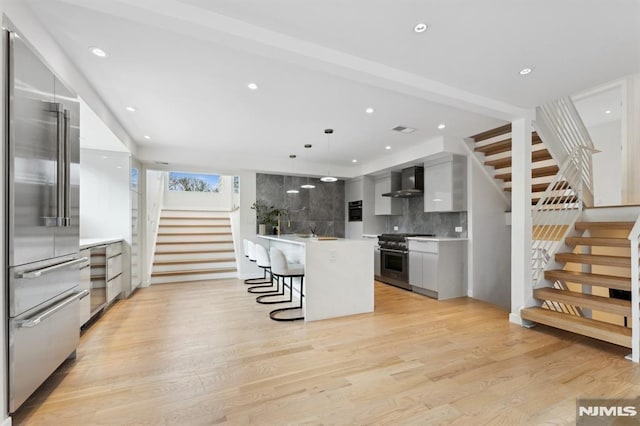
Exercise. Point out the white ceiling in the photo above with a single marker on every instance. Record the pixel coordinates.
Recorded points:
(185, 66)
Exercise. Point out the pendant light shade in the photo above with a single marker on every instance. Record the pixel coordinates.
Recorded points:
(328, 177)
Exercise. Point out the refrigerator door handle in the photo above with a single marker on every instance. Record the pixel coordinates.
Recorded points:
(40, 272)
(61, 170)
(66, 213)
(34, 321)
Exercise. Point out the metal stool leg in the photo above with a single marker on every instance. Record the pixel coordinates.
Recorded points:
(273, 314)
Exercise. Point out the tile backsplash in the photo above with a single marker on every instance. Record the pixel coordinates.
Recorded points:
(415, 220)
(322, 208)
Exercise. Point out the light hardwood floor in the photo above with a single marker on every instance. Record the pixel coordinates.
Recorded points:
(205, 353)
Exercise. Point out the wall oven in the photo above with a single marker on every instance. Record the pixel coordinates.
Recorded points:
(355, 211)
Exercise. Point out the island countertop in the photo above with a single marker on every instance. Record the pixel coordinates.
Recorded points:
(92, 242)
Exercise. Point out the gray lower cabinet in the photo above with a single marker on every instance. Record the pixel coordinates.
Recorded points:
(114, 271)
(438, 268)
(85, 284)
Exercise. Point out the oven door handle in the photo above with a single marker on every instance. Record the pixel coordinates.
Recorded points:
(32, 322)
(395, 251)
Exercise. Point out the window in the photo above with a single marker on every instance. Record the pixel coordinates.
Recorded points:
(194, 182)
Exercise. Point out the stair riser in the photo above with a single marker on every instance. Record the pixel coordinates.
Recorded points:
(193, 213)
(199, 222)
(195, 277)
(192, 238)
(193, 230)
(193, 266)
(193, 256)
(193, 247)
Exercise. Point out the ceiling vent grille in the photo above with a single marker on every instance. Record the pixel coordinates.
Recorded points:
(404, 129)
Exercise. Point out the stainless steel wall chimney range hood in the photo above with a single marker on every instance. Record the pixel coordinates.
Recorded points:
(412, 183)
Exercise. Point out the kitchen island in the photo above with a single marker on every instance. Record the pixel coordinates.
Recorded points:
(338, 273)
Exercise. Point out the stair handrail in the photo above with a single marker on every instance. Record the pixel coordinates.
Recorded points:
(556, 212)
(559, 122)
(634, 240)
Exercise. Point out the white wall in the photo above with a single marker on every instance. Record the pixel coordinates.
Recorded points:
(608, 163)
(185, 200)
(247, 224)
(631, 134)
(154, 194)
(105, 209)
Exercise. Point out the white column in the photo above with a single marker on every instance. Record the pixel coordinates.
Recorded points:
(521, 292)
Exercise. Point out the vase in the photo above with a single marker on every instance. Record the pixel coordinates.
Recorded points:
(262, 229)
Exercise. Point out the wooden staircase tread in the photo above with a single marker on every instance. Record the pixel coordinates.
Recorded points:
(582, 226)
(541, 187)
(193, 226)
(599, 303)
(500, 163)
(164, 243)
(599, 280)
(193, 218)
(563, 199)
(502, 130)
(535, 173)
(173, 252)
(190, 261)
(168, 234)
(597, 241)
(594, 259)
(193, 272)
(611, 333)
(501, 146)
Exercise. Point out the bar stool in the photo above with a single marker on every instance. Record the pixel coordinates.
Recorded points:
(251, 254)
(262, 260)
(280, 268)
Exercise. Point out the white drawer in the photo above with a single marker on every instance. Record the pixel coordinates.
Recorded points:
(114, 288)
(114, 266)
(85, 309)
(423, 246)
(114, 249)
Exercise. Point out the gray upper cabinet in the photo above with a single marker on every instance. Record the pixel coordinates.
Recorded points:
(388, 205)
(445, 183)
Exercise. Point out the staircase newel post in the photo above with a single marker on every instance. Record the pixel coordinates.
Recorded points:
(521, 221)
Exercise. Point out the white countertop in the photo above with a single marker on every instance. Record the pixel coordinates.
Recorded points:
(437, 239)
(86, 243)
(369, 235)
(294, 239)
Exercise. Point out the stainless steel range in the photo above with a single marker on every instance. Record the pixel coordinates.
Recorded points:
(394, 258)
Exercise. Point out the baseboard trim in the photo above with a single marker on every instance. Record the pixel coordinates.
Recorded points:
(6, 422)
(516, 319)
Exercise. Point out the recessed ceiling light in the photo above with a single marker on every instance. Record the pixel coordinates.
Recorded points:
(104, 157)
(147, 137)
(131, 109)
(387, 147)
(329, 179)
(307, 186)
(369, 110)
(118, 167)
(308, 145)
(354, 161)
(525, 71)
(292, 191)
(420, 27)
(98, 52)
(608, 111)
(292, 156)
(441, 126)
(252, 86)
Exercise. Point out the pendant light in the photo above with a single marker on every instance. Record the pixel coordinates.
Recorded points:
(307, 185)
(328, 177)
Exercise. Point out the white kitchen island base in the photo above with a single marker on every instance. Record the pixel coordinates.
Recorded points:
(338, 274)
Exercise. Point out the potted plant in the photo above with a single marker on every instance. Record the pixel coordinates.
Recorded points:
(267, 216)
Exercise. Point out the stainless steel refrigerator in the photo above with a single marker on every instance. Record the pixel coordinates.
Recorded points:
(43, 220)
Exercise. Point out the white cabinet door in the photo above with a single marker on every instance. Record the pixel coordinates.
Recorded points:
(445, 184)
(415, 269)
(388, 205)
(430, 271)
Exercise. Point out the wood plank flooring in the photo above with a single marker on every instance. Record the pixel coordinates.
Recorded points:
(205, 353)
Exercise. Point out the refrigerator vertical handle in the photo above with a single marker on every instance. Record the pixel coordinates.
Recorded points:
(61, 171)
(67, 170)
